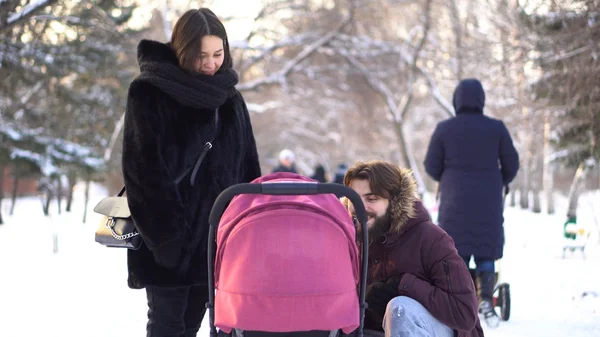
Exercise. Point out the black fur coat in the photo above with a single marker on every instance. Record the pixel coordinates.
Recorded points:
(170, 116)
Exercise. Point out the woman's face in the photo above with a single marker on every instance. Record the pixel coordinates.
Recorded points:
(211, 55)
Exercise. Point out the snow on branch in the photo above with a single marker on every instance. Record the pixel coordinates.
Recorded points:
(568, 55)
(279, 77)
(346, 44)
(437, 95)
(27, 10)
(167, 30)
(113, 138)
(288, 41)
(56, 149)
(69, 19)
(37, 159)
(374, 82)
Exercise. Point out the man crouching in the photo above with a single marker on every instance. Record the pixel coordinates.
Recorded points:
(417, 284)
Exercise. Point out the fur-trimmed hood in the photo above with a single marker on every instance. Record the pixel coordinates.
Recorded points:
(402, 205)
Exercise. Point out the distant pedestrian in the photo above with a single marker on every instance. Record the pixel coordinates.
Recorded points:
(287, 160)
(319, 174)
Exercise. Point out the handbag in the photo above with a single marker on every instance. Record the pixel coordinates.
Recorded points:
(117, 229)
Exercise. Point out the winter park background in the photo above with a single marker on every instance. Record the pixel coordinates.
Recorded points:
(334, 81)
(81, 290)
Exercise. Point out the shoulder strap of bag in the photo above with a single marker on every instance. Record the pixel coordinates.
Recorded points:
(207, 146)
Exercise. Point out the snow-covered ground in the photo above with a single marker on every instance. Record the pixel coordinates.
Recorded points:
(81, 289)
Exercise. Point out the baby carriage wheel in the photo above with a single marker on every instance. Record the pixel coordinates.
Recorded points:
(503, 301)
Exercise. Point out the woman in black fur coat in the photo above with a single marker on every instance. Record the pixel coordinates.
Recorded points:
(183, 99)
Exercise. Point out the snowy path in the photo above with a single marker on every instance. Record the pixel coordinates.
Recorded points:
(81, 290)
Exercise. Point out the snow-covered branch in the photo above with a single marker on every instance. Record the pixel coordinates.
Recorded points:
(374, 82)
(288, 41)
(164, 13)
(279, 77)
(56, 149)
(436, 94)
(407, 98)
(27, 11)
(66, 19)
(113, 138)
(567, 55)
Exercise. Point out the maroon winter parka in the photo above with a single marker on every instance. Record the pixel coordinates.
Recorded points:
(432, 272)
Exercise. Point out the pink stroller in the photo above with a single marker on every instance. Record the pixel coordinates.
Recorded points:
(286, 261)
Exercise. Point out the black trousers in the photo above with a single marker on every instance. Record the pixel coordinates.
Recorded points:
(175, 312)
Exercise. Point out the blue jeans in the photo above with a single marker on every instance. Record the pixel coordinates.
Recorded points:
(481, 264)
(405, 317)
(485, 271)
(175, 312)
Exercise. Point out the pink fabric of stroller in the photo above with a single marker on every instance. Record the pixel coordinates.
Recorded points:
(286, 263)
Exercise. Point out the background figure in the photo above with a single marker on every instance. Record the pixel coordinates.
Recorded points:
(319, 174)
(287, 158)
(340, 172)
(184, 98)
(473, 157)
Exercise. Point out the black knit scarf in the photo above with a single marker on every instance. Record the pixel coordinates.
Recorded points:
(189, 89)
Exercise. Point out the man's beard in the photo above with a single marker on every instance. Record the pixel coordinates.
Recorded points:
(380, 227)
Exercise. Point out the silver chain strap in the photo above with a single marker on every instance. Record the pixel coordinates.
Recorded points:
(110, 224)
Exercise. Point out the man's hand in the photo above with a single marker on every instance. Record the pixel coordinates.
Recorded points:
(379, 294)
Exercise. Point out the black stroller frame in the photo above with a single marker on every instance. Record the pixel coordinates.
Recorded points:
(286, 188)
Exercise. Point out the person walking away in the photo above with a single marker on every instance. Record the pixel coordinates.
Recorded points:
(473, 157)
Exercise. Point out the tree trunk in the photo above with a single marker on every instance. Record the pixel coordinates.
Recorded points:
(548, 169)
(2, 167)
(454, 13)
(87, 199)
(524, 188)
(537, 205)
(408, 158)
(535, 180)
(513, 197)
(524, 191)
(574, 190)
(72, 181)
(46, 202)
(59, 192)
(14, 193)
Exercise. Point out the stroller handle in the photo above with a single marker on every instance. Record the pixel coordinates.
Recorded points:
(287, 188)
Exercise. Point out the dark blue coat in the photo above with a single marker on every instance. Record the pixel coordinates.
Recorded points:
(473, 157)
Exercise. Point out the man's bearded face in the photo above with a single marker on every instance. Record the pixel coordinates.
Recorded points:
(377, 207)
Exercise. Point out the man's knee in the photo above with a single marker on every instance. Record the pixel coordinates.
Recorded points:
(403, 307)
(407, 317)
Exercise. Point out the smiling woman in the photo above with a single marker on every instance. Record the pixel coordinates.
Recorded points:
(187, 135)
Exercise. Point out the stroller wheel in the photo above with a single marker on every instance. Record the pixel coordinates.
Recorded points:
(504, 301)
